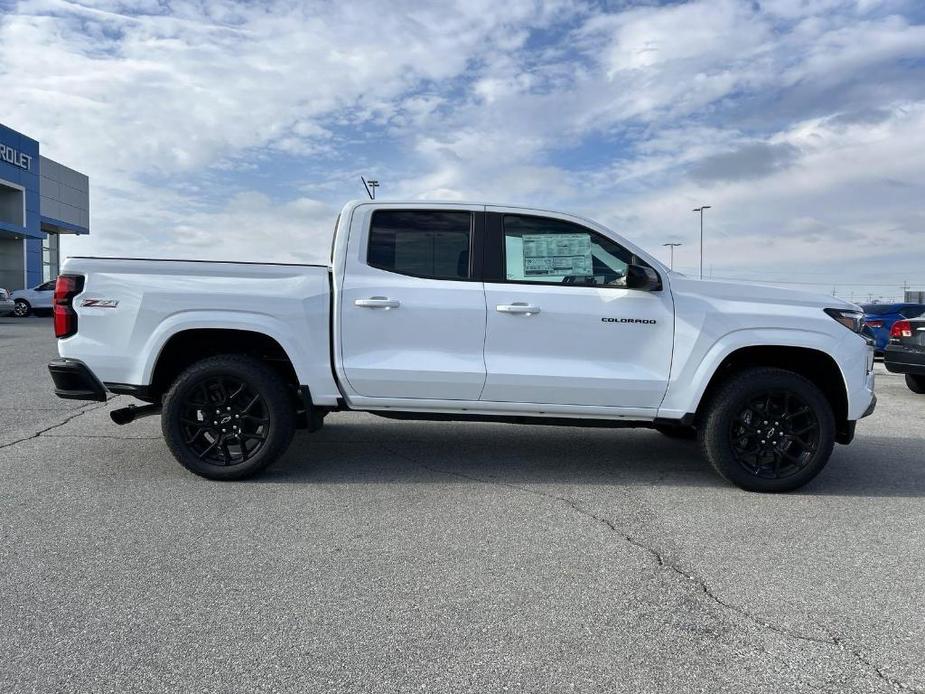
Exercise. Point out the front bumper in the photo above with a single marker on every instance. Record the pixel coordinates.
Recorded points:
(74, 380)
(903, 360)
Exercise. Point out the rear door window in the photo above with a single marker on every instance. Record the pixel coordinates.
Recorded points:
(431, 244)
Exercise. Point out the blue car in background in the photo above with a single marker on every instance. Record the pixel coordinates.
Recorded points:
(879, 319)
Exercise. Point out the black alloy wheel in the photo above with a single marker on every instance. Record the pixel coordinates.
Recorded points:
(228, 417)
(224, 420)
(767, 430)
(775, 435)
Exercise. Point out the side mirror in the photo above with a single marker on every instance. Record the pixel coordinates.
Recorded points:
(643, 278)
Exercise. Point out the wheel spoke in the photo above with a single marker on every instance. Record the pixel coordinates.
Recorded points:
(253, 402)
(209, 448)
(195, 436)
(226, 454)
(256, 437)
(237, 391)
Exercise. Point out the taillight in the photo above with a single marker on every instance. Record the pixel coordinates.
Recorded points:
(874, 323)
(66, 288)
(901, 328)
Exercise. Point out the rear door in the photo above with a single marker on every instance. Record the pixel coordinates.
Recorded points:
(562, 328)
(412, 305)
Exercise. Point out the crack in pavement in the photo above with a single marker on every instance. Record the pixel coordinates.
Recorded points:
(72, 416)
(662, 562)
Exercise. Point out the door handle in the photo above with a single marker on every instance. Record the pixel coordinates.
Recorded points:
(518, 307)
(377, 302)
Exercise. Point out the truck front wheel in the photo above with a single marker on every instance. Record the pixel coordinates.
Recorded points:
(768, 430)
(228, 417)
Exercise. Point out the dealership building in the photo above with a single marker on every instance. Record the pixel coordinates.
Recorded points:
(40, 200)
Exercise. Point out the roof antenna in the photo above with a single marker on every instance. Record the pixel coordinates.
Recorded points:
(370, 186)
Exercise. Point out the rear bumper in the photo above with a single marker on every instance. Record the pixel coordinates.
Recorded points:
(902, 360)
(74, 380)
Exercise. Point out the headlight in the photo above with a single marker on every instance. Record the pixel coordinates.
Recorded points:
(853, 320)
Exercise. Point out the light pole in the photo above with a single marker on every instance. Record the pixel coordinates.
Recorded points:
(700, 210)
(672, 246)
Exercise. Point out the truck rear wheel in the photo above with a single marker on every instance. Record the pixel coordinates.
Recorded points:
(916, 383)
(228, 417)
(768, 430)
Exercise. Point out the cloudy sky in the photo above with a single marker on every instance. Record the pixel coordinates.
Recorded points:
(217, 129)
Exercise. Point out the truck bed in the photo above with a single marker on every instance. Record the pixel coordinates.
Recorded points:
(156, 298)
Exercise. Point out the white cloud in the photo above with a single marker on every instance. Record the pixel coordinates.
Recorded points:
(217, 127)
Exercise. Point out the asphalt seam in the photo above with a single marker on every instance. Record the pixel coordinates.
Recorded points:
(663, 563)
(74, 415)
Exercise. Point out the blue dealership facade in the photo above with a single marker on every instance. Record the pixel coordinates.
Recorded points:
(40, 200)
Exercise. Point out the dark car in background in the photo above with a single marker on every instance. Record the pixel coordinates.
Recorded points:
(880, 318)
(905, 353)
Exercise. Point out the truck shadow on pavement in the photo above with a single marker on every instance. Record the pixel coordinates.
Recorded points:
(374, 451)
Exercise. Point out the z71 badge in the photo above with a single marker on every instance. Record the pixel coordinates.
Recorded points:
(99, 303)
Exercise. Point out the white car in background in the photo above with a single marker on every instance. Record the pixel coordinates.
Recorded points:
(38, 298)
(6, 303)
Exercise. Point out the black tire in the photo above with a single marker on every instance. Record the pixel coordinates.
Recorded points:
(252, 426)
(22, 308)
(677, 431)
(777, 454)
(916, 383)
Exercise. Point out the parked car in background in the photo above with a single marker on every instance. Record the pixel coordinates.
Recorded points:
(905, 353)
(879, 320)
(38, 298)
(6, 303)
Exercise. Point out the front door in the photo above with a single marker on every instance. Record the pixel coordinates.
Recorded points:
(412, 309)
(562, 328)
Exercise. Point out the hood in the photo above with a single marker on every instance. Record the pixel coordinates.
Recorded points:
(758, 293)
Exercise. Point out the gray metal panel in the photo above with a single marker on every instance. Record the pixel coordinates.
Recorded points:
(64, 194)
(51, 208)
(69, 214)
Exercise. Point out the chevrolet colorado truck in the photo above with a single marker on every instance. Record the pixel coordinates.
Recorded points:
(451, 311)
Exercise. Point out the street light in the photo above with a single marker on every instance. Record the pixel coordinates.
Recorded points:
(672, 246)
(700, 210)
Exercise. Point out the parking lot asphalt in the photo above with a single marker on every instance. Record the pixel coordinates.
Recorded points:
(385, 556)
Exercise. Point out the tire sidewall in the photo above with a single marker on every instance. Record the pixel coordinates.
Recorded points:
(264, 381)
(730, 401)
(915, 383)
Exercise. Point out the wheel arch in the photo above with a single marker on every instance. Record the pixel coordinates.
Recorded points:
(191, 344)
(817, 366)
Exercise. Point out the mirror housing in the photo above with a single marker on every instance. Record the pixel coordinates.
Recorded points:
(643, 278)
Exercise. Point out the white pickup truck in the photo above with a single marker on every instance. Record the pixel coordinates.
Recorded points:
(465, 311)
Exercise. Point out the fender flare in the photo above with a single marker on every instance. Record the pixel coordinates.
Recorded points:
(733, 341)
(248, 321)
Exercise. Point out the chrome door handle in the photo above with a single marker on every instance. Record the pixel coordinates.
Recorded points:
(518, 307)
(377, 302)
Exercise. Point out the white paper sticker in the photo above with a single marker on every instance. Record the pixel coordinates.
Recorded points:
(557, 255)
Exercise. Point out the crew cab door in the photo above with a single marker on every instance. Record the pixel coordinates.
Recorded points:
(562, 327)
(411, 306)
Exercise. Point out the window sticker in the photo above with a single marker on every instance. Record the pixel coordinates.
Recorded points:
(555, 255)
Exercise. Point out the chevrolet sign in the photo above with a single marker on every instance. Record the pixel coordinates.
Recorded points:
(15, 157)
